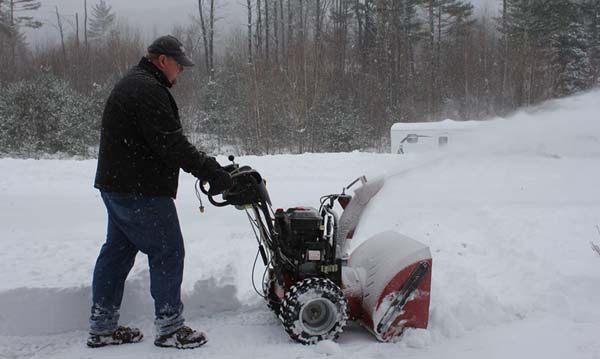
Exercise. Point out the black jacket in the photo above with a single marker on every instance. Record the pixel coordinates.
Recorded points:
(142, 146)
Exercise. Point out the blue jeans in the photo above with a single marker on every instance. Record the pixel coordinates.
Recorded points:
(146, 224)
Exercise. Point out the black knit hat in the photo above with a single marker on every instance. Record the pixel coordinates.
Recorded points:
(170, 46)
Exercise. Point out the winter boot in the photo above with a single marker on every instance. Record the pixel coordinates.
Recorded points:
(122, 335)
(182, 338)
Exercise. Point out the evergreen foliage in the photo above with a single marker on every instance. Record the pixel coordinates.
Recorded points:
(220, 110)
(575, 71)
(47, 116)
(101, 21)
(339, 124)
(18, 8)
(590, 10)
(519, 20)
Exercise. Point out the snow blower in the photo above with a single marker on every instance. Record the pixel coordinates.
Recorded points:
(315, 280)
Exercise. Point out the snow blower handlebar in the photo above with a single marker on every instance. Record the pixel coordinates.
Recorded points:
(248, 188)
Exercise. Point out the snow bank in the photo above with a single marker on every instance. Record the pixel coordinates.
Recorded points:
(42, 311)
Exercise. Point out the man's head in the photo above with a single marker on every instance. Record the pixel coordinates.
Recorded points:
(168, 54)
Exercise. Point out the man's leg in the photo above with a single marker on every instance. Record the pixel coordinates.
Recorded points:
(114, 263)
(166, 274)
(153, 228)
(166, 255)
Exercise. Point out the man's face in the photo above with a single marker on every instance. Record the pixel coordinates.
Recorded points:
(170, 68)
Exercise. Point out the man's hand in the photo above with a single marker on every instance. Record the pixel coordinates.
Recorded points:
(220, 181)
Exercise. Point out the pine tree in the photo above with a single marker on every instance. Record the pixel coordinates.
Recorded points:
(411, 26)
(518, 21)
(457, 73)
(531, 29)
(101, 21)
(460, 15)
(14, 15)
(552, 17)
(443, 17)
(575, 73)
(591, 13)
(15, 9)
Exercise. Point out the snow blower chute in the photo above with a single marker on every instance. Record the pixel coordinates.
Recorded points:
(317, 277)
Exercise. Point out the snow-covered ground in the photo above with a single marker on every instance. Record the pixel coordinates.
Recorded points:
(510, 217)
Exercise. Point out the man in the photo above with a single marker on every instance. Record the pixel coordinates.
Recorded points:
(142, 148)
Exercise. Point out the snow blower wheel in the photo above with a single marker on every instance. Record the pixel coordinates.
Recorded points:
(314, 310)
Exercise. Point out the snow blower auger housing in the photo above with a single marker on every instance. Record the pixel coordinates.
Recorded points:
(315, 280)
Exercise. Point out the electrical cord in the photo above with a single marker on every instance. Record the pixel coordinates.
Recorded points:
(199, 195)
(263, 276)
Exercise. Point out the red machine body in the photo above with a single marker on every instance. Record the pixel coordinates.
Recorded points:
(386, 277)
(387, 282)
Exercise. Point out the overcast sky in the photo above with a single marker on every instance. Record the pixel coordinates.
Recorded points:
(155, 17)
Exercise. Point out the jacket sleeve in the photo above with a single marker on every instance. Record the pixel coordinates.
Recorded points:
(163, 133)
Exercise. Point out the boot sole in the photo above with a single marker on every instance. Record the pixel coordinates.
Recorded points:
(100, 345)
(180, 346)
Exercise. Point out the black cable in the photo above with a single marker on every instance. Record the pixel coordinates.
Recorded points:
(253, 224)
(324, 199)
(253, 283)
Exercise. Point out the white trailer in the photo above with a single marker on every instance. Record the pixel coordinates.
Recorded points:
(412, 137)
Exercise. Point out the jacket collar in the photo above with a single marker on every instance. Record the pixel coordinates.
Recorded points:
(154, 71)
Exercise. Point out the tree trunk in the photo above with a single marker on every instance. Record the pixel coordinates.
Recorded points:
(78, 81)
(282, 24)
(505, 55)
(62, 40)
(13, 36)
(410, 54)
(257, 108)
(360, 41)
(204, 39)
(395, 54)
(343, 37)
(258, 29)
(267, 34)
(85, 19)
(290, 34)
(249, 5)
(275, 32)
(316, 67)
(303, 120)
(432, 75)
(438, 50)
(77, 31)
(211, 38)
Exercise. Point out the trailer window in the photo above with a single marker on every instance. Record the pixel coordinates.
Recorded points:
(412, 138)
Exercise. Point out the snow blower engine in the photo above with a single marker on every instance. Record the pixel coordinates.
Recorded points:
(318, 276)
